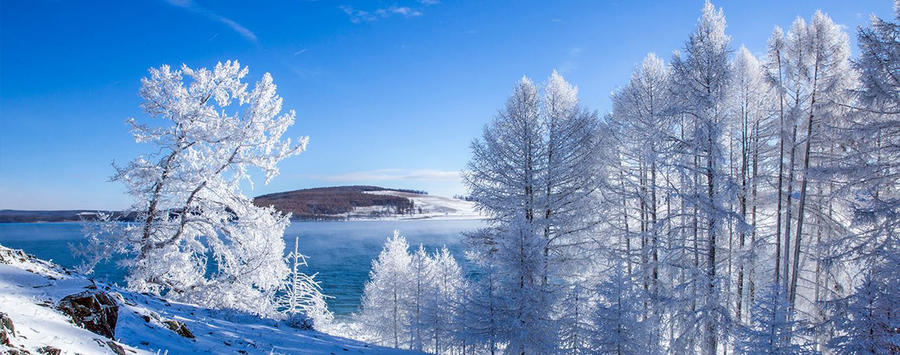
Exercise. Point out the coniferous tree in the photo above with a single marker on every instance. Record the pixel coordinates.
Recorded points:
(385, 310)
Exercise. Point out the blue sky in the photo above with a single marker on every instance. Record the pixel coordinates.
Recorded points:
(390, 93)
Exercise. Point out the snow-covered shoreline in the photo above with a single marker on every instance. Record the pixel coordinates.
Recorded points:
(31, 288)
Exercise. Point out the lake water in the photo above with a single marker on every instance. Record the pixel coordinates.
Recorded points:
(340, 252)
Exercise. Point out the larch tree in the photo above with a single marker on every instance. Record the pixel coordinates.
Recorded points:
(867, 318)
(302, 301)
(446, 289)
(385, 313)
(750, 110)
(532, 173)
(829, 81)
(617, 318)
(703, 78)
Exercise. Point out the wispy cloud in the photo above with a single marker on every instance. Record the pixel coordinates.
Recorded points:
(357, 15)
(571, 62)
(360, 15)
(389, 175)
(196, 8)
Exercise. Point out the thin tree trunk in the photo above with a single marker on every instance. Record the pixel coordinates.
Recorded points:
(803, 186)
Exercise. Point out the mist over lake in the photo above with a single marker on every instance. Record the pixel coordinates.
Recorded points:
(341, 252)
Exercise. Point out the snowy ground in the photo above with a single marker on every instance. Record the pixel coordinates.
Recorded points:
(432, 207)
(30, 288)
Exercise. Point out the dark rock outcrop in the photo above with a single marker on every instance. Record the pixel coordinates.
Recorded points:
(180, 328)
(49, 350)
(7, 330)
(94, 310)
(116, 348)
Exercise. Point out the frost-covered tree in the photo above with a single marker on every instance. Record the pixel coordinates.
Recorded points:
(302, 301)
(829, 80)
(520, 259)
(644, 131)
(869, 318)
(576, 327)
(702, 78)
(483, 310)
(442, 306)
(771, 327)
(196, 237)
(878, 63)
(532, 173)
(385, 313)
(617, 318)
(643, 128)
(420, 291)
(750, 112)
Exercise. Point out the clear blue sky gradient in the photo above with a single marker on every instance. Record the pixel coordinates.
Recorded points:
(391, 97)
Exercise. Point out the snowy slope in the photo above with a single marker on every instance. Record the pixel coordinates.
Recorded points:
(30, 288)
(433, 207)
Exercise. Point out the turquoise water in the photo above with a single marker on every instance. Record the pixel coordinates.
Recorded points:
(340, 252)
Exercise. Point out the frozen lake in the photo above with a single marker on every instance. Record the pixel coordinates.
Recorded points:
(341, 252)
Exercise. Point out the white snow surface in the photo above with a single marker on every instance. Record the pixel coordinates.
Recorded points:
(432, 207)
(30, 289)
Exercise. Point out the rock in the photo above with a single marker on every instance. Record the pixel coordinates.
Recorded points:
(8, 256)
(94, 310)
(116, 348)
(49, 350)
(7, 330)
(6, 324)
(180, 328)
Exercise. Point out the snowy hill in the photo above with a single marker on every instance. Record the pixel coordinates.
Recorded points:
(430, 206)
(31, 289)
(367, 202)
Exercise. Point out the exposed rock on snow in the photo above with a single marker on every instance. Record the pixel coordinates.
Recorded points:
(94, 310)
(7, 330)
(179, 328)
(49, 350)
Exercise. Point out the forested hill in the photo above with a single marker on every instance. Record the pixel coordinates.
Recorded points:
(341, 202)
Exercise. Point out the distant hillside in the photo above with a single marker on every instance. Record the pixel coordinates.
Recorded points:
(22, 216)
(340, 201)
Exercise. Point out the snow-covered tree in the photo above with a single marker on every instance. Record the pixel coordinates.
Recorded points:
(196, 237)
(385, 313)
(771, 327)
(483, 312)
(303, 302)
(576, 327)
(750, 112)
(441, 309)
(702, 78)
(520, 260)
(420, 292)
(829, 81)
(869, 318)
(644, 131)
(617, 318)
(532, 173)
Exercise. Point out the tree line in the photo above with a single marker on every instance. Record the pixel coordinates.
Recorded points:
(727, 203)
